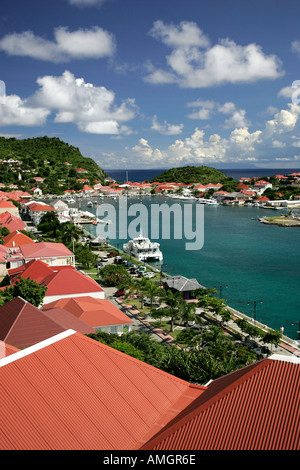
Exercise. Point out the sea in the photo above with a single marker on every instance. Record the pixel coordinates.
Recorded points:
(253, 266)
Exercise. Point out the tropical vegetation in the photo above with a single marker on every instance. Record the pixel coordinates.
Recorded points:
(51, 159)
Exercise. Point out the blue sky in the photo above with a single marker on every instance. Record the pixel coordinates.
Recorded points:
(155, 83)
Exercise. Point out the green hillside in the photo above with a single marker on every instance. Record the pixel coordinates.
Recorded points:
(192, 174)
(49, 158)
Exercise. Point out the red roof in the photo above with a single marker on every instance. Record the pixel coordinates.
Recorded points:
(72, 392)
(35, 206)
(22, 324)
(16, 238)
(70, 282)
(6, 349)
(3, 252)
(45, 250)
(95, 312)
(35, 269)
(254, 408)
(4, 204)
(60, 280)
(11, 222)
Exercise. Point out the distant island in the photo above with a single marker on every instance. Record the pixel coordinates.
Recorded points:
(192, 174)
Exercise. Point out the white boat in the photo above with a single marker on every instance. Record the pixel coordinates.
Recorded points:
(90, 204)
(208, 202)
(143, 249)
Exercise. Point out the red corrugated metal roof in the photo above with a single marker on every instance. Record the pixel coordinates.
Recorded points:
(68, 282)
(95, 312)
(45, 250)
(73, 392)
(6, 349)
(22, 324)
(255, 408)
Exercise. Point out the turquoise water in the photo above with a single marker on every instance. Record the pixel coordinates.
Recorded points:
(256, 261)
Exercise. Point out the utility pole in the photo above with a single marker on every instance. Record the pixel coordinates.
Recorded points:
(254, 312)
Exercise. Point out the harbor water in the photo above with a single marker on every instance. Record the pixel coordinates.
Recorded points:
(253, 262)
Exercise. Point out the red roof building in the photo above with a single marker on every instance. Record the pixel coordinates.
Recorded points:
(11, 222)
(72, 392)
(99, 313)
(8, 206)
(254, 408)
(61, 281)
(54, 254)
(22, 324)
(79, 394)
(16, 238)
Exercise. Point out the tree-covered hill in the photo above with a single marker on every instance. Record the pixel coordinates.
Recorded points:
(49, 158)
(192, 174)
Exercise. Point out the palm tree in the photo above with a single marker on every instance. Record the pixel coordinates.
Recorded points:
(174, 302)
(69, 233)
(187, 312)
(152, 291)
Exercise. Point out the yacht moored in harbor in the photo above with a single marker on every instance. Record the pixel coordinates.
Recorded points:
(143, 249)
(209, 202)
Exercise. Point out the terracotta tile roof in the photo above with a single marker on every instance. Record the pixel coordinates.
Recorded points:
(22, 324)
(95, 312)
(80, 394)
(254, 408)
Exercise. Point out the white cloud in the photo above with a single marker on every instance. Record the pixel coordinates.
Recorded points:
(278, 144)
(286, 92)
(245, 140)
(284, 121)
(91, 108)
(17, 112)
(166, 128)
(197, 150)
(193, 63)
(145, 153)
(80, 44)
(209, 108)
(187, 34)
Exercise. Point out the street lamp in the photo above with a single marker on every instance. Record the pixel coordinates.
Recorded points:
(221, 287)
(254, 312)
(161, 266)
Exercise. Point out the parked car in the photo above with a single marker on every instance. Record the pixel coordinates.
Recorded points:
(147, 301)
(148, 274)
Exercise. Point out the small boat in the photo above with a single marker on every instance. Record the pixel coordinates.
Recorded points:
(90, 204)
(208, 202)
